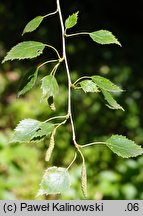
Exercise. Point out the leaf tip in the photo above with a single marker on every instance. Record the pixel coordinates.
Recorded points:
(23, 33)
(4, 60)
(124, 147)
(39, 193)
(18, 95)
(77, 13)
(118, 43)
(104, 37)
(71, 21)
(122, 109)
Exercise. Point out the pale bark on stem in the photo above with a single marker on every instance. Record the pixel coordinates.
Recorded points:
(67, 70)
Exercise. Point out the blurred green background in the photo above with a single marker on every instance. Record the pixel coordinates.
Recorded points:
(22, 165)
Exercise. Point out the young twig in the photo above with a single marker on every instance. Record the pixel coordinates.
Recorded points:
(67, 70)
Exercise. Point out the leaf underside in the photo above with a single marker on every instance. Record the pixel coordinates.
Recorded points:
(33, 24)
(123, 147)
(28, 82)
(106, 84)
(104, 37)
(49, 86)
(25, 50)
(112, 103)
(55, 180)
(89, 86)
(107, 87)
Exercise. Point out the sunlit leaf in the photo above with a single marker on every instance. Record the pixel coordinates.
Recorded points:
(104, 37)
(106, 84)
(112, 103)
(33, 24)
(28, 82)
(89, 86)
(123, 147)
(55, 180)
(71, 20)
(49, 86)
(25, 50)
(44, 129)
(29, 129)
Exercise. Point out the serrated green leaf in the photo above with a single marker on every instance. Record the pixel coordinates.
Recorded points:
(33, 24)
(55, 180)
(25, 50)
(112, 102)
(71, 20)
(104, 37)
(25, 130)
(89, 86)
(123, 147)
(44, 129)
(31, 130)
(106, 84)
(49, 86)
(27, 82)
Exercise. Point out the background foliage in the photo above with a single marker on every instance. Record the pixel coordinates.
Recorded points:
(22, 165)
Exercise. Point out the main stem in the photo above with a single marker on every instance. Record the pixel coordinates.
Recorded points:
(67, 70)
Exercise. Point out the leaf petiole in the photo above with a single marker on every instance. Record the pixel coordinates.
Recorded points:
(53, 48)
(81, 78)
(47, 62)
(75, 156)
(76, 34)
(55, 69)
(57, 117)
(50, 14)
(94, 143)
